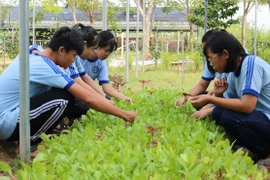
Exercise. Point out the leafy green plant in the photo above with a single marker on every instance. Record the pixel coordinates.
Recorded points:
(101, 147)
(10, 42)
(167, 58)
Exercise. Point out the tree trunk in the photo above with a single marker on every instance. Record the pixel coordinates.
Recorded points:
(244, 21)
(191, 28)
(73, 9)
(147, 37)
(71, 4)
(91, 17)
(148, 15)
(244, 24)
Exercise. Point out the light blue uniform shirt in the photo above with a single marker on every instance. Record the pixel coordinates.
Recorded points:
(209, 76)
(76, 69)
(252, 77)
(44, 74)
(97, 69)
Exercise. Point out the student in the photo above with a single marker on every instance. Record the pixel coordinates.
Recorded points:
(76, 70)
(96, 66)
(52, 91)
(246, 118)
(206, 79)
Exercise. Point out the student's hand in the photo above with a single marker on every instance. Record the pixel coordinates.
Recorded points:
(130, 116)
(220, 86)
(181, 101)
(211, 93)
(111, 102)
(128, 99)
(199, 114)
(200, 100)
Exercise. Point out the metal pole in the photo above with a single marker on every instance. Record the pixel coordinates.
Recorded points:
(34, 19)
(156, 39)
(104, 15)
(255, 29)
(205, 22)
(178, 43)
(122, 44)
(137, 37)
(143, 53)
(24, 81)
(183, 63)
(5, 50)
(205, 15)
(127, 37)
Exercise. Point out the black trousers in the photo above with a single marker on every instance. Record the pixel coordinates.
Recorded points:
(250, 130)
(46, 111)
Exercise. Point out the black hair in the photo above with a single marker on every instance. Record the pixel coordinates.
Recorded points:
(107, 38)
(220, 41)
(208, 34)
(68, 38)
(88, 33)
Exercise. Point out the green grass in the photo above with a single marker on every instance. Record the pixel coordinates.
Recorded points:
(160, 79)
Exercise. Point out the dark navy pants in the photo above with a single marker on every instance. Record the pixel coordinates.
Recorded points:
(250, 130)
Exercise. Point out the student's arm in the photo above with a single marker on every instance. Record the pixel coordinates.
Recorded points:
(94, 101)
(108, 89)
(88, 80)
(89, 88)
(197, 89)
(200, 87)
(244, 105)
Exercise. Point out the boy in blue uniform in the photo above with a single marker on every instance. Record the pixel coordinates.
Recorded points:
(52, 91)
(247, 117)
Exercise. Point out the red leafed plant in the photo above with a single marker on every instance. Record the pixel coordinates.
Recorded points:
(143, 82)
(117, 82)
(100, 137)
(153, 131)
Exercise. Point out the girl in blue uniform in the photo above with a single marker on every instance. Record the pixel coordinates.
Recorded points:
(96, 66)
(245, 117)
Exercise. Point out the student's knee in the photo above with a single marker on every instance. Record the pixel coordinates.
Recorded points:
(229, 119)
(217, 114)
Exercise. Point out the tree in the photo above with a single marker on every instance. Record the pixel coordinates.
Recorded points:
(267, 2)
(92, 6)
(185, 7)
(47, 6)
(220, 14)
(151, 5)
(248, 5)
(89, 6)
(4, 12)
(72, 5)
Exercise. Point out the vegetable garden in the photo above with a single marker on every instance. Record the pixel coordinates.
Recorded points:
(163, 143)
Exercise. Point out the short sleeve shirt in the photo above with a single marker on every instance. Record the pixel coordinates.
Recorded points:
(76, 69)
(96, 69)
(253, 77)
(43, 74)
(209, 76)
